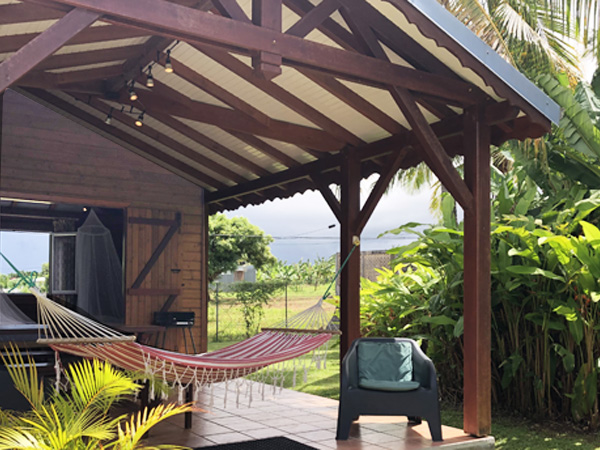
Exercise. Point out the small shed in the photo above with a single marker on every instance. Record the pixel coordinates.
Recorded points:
(215, 104)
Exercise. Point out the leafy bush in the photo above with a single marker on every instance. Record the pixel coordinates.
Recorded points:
(252, 298)
(545, 300)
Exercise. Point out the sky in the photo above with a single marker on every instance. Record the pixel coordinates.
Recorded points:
(299, 225)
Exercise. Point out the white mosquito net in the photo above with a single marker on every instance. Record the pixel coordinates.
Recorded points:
(98, 274)
(11, 315)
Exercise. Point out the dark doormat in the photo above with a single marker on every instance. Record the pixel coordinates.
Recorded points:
(274, 443)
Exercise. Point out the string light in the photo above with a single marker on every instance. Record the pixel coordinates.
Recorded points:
(132, 94)
(140, 120)
(149, 78)
(168, 65)
(108, 119)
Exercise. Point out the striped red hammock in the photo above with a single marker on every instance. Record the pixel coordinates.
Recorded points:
(67, 331)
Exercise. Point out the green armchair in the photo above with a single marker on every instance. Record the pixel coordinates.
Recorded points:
(388, 376)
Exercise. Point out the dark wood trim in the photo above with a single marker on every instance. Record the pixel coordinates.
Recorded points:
(121, 137)
(12, 43)
(231, 9)
(43, 45)
(266, 148)
(219, 93)
(477, 281)
(168, 302)
(328, 196)
(157, 252)
(277, 92)
(158, 292)
(437, 158)
(267, 15)
(350, 275)
(173, 144)
(314, 18)
(164, 18)
(19, 13)
(150, 221)
(391, 168)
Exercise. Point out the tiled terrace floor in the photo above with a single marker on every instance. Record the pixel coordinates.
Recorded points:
(304, 418)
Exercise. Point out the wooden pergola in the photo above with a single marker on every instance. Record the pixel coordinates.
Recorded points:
(268, 98)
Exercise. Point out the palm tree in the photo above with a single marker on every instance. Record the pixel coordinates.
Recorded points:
(78, 419)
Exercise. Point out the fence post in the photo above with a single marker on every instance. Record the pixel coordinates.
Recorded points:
(217, 312)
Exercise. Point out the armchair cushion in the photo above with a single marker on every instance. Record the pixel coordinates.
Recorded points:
(384, 362)
(391, 386)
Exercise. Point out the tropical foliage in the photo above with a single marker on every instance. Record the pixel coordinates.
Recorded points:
(233, 241)
(80, 418)
(545, 273)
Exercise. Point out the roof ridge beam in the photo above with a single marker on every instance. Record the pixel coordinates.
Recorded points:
(43, 45)
(164, 18)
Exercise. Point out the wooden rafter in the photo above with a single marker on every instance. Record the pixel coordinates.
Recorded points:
(91, 35)
(329, 27)
(165, 140)
(218, 92)
(163, 18)
(208, 143)
(65, 60)
(328, 195)
(19, 13)
(125, 139)
(354, 100)
(60, 81)
(267, 149)
(162, 98)
(43, 45)
(231, 9)
(313, 18)
(287, 98)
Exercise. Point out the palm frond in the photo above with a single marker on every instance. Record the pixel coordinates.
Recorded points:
(24, 376)
(132, 431)
(20, 439)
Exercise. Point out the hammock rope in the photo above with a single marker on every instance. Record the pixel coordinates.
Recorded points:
(67, 331)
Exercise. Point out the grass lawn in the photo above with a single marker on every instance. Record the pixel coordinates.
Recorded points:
(511, 433)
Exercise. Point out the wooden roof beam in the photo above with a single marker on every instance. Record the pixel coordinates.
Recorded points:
(266, 149)
(43, 45)
(12, 43)
(165, 99)
(124, 139)
(20, 12)
(50, 80)
(267, 14)
(164, 18)
(218, 92)
(165, 140)
(277, 92)
(313, 18)
(208, 143)
(67, 60)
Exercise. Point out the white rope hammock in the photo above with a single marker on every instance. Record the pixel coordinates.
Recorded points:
(67, 331)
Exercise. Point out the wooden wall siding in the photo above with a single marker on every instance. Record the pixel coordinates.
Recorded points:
(178, 267)
(44, 156)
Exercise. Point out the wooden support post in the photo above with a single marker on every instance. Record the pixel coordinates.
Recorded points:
(477, 284)
(204, 278)
(267, 14)
(350, 276)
